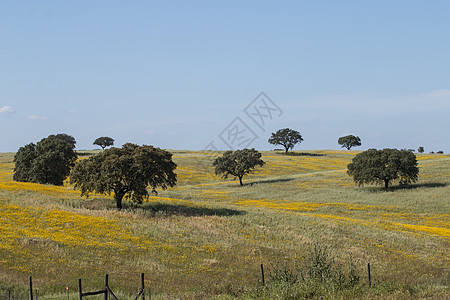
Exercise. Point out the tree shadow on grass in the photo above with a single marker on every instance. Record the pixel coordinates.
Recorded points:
(269, 181)
(419, 185)
(164, 209)
(159, 209)
(301, 154)
(394, 188)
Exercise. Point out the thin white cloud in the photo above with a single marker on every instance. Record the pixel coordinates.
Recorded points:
(72, 111)
(6, 109)
(36, 117)
(439, 94)
(150, 132)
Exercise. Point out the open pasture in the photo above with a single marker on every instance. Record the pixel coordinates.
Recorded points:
(208, 236)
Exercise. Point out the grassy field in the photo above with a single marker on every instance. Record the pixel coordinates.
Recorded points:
(207, 237)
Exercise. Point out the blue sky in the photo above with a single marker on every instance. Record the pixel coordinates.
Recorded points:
(176, 74)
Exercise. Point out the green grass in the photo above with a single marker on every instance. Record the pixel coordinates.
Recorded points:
(207, 237)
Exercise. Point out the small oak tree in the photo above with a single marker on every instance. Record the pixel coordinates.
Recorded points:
(104, 141)
(421, 149)
(384, 166)
(126, 172)
(47, 162)
(238, 163)
(349, 141)
(286, 137)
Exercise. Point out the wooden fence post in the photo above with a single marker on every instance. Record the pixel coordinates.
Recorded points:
(31, 288)
(142, 286)
(80, 293)
(106, 287)
(141, 292)
(262, 275)
(368, 271)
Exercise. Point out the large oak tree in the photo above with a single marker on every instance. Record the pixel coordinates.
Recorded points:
(126, 172)
(384, 166)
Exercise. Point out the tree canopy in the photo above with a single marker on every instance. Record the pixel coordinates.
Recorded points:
(23, 163)
(238, 163)
(286, 137)
(65, 137)
(384, 166)
(126, 172)
(47, 162)
(349, 141)
(104, 141)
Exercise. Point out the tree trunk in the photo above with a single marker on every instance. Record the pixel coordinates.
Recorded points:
(386, 184)
(286, 149)
(118, 196)
(240, 180)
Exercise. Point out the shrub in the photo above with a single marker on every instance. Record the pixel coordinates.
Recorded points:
(320, 276)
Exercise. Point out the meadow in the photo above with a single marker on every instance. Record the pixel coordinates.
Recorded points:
(206, 237)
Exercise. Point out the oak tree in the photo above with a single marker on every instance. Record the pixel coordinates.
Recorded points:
(349, 141)
(65, 137)
(126, 172)
(384, 166)
(286, 137)
(47, 162)
(238, 163)
(23, 161)
(104, 141)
